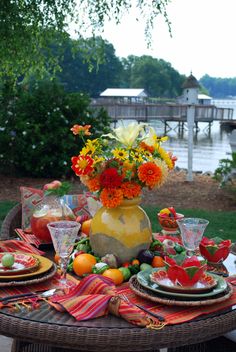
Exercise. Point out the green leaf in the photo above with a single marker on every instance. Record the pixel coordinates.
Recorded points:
(212, 249)
(191, 270)
(217, 240)
(179, 258)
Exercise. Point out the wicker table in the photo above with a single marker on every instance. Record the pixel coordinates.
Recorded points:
(47, 330)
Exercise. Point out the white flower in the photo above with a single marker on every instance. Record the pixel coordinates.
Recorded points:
(127, 135)
(151, 137)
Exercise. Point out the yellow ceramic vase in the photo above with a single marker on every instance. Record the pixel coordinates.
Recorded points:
(123, 231)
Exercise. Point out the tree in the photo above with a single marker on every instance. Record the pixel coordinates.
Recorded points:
(27, 27)
(157, 77)
(76, 75)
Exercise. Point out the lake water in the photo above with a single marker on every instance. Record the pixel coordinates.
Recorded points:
(208, 149)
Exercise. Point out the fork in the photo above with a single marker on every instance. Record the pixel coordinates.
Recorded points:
(14, 298)
(159, 317)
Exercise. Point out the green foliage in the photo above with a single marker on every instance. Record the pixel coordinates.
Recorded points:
(157, 77)
(76, 74)
(28, 29)
(35, 122)
(219, 87)
(221, 223)
(60, 191)
(222, 173)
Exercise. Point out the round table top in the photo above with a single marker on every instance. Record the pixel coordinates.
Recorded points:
(48, 326)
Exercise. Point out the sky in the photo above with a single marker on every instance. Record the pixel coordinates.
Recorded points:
(203, 37)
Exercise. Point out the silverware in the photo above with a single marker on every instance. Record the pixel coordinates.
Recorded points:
(41, 293)
(159, 317)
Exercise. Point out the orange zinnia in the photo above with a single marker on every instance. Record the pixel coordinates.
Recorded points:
(149, 173)
(147, 147)
(130, 189)
(94, 184)
(83, 130)
(111, 197)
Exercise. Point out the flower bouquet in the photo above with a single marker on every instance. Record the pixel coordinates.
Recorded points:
(119, 164)
(214, 250)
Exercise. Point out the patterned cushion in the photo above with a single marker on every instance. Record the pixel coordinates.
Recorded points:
(30, 198)
(79, 203)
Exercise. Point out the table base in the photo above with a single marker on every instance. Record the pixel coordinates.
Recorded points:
(220, 344)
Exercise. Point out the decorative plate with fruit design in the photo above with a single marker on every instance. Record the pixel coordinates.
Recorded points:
(17, 263)
(205, 284)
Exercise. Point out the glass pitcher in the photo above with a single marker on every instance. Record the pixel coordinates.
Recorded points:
(52, 208)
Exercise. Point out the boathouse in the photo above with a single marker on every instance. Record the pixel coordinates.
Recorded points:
(125, 95)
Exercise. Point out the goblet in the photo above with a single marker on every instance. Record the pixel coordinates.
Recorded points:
(191, 230)
(64, 234)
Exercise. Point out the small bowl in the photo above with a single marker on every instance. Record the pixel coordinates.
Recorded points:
(214, 253)
(188, 273)
(168, 223)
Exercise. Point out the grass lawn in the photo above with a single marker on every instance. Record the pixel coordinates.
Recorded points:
(221, 224)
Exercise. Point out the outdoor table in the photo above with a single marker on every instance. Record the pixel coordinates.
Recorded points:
(48, 330)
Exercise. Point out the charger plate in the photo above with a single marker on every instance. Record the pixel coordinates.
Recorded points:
(32, 280)
(44, 265)
(23, 263)
(146, 293)
(143, 278)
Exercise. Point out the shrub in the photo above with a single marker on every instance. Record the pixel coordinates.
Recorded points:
(226, 175)
(35, 122)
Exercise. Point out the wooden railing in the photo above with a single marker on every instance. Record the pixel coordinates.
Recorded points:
(166, 112)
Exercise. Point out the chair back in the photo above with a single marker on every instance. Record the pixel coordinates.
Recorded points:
(11, 222)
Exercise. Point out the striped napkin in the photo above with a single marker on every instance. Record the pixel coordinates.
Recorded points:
(96, 296)
(28, 237)
(17, 245)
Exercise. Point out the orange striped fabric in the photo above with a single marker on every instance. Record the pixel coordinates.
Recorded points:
(91, 299)
(17, 245)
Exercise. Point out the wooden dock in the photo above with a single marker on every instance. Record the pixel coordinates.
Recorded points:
(231, 124)
(143, 112)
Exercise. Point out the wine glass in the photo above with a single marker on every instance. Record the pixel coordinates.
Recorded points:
(64, 234)
(191, 230)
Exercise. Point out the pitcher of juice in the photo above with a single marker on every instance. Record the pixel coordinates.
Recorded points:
(52, 208)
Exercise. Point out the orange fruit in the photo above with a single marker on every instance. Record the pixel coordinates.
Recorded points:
(85, 227)
(157, 262)
(56, 258)
(83, 264)
(114, 274)
(135, 261)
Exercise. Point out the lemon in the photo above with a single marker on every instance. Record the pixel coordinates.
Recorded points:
(165, 211)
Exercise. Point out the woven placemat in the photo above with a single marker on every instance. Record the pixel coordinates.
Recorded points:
(155, 297)
(34, 280)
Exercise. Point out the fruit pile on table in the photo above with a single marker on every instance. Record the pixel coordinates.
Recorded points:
(83, 262)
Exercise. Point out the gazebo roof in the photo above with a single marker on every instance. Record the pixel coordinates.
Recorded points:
(191, 82)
